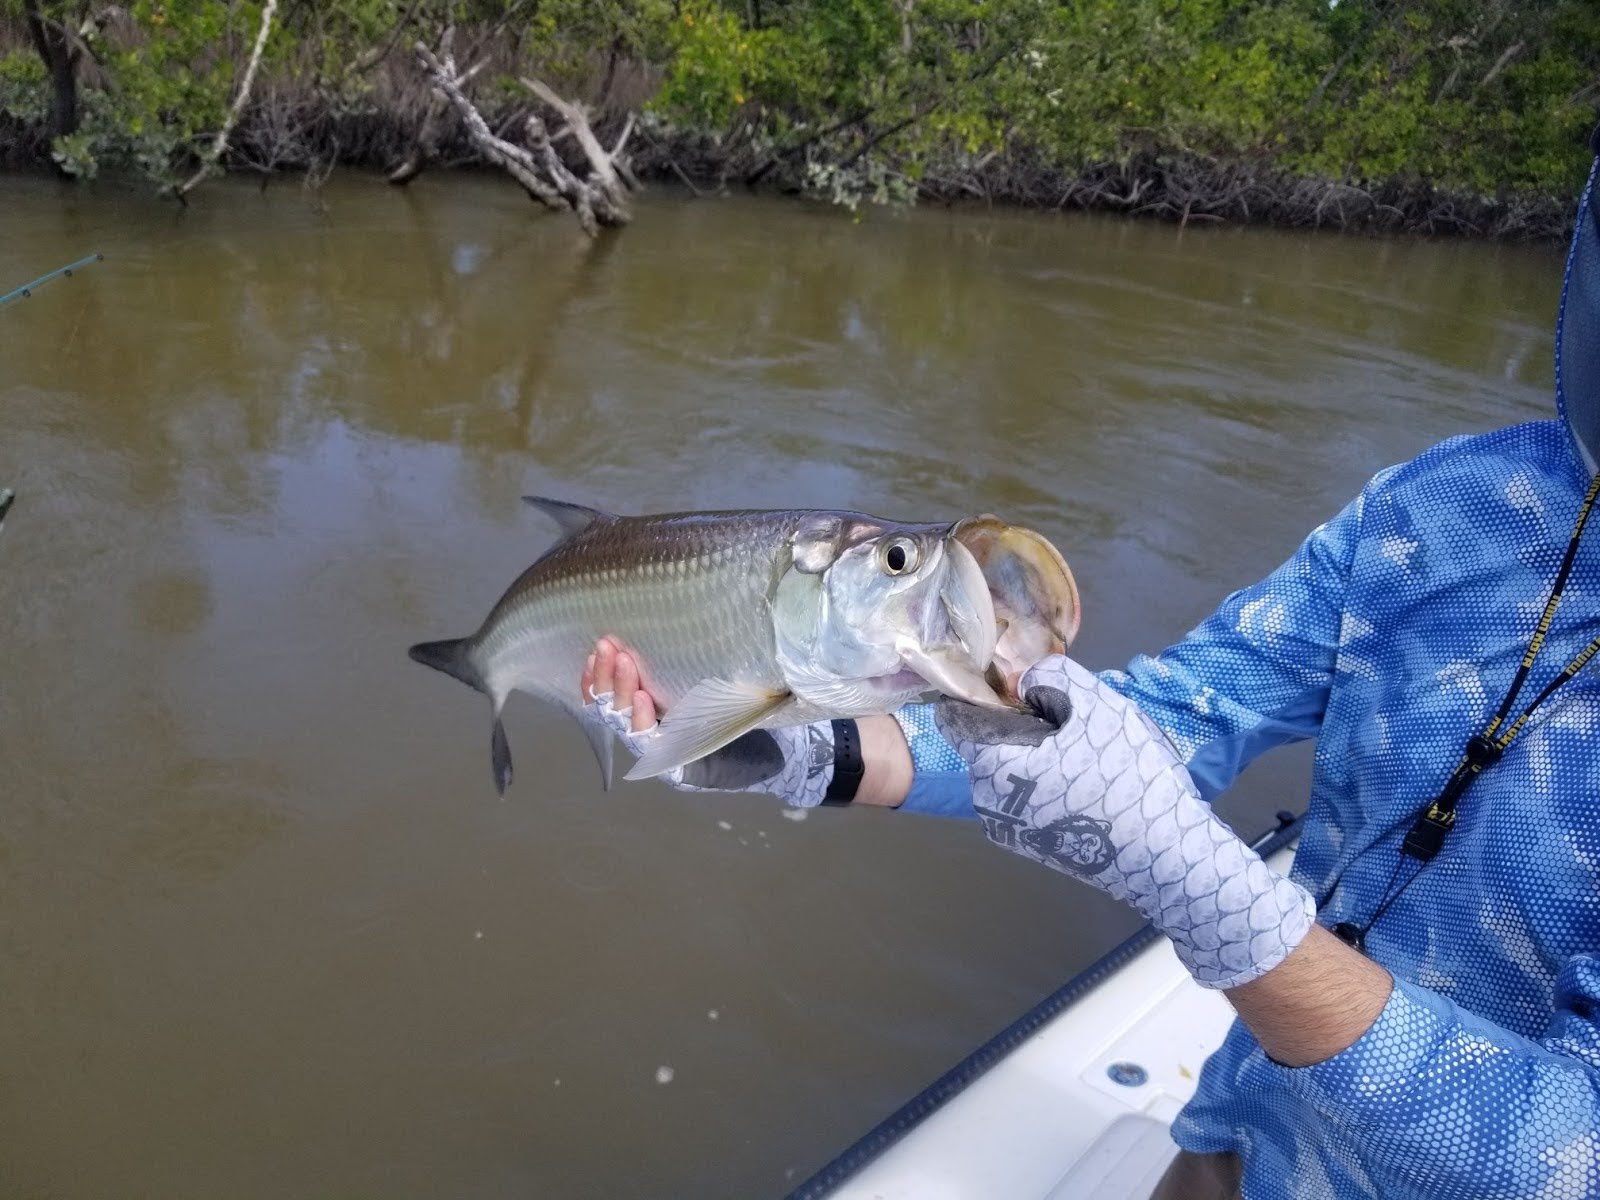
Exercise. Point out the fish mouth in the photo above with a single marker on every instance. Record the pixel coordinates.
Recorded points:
(957, 638)
(1034, 597)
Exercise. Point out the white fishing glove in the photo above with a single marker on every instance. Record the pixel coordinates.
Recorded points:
(794, 764)
(1092, 788)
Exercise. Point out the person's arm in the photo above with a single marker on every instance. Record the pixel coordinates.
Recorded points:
(886, 763)
(1257, 672)
(1316, 1003)
(1442, 1102)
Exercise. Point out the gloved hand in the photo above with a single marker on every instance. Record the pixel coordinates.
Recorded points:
(1092, 788)
(794, 764)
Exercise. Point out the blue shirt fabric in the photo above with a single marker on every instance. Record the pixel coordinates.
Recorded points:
(940, 784)
(1392, 635)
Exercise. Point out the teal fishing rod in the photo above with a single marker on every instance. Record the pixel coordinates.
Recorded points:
(26, 290)
(7, 496)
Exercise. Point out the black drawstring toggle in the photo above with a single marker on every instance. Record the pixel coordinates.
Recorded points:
(1427, 834)
(1481, 752)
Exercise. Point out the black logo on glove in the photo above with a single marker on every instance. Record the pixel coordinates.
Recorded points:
(1080, 845)
(819, 752)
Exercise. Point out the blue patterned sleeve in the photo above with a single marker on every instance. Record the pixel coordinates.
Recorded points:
(1445, 1104)
(940, 785)
(1256, 673)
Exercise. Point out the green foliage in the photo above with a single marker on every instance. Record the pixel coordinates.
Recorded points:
(716, 65)
(858, 100)
(1357, 90)
(566, 36)
(24, 94)
(170, 85)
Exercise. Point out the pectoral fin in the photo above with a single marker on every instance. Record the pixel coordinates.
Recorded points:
(711, 715)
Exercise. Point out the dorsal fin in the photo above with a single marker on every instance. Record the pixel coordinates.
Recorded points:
(572, 518)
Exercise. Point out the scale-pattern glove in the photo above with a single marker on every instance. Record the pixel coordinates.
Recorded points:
(795, 764)
(1091, 787)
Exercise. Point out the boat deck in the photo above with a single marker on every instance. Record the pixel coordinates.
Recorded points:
(1074, 1100)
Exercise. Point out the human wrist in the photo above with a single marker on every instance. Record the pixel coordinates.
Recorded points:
(1230, 916)
(886, 761)
(1321, 1000)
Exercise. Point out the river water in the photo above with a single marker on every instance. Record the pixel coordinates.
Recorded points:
(265, 930)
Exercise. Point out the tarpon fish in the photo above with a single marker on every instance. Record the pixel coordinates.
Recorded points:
(762, 619)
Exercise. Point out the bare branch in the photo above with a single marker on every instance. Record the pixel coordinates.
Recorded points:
(599, 161)
(516, 161)
(220, 146)
(622, 138)
(597, 200)
(1500, 64)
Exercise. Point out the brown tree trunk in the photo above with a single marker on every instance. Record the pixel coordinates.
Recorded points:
(60, 57)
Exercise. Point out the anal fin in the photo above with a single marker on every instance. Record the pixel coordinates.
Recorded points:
(712, 714)
(600, 742)
(500, 755)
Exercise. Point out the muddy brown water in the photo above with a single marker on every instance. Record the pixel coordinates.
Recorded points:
(265, 930)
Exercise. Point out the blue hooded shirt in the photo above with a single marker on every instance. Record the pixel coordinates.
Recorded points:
(1391, 637)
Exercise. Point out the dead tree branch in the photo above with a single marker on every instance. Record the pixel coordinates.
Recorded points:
(602, 165)
(1500, 64)
(220, 145)
(597, 200)
(516, 161)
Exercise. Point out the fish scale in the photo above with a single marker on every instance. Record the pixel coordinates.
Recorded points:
(690, 591)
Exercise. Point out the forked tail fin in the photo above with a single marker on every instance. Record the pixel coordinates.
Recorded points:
(452, 658)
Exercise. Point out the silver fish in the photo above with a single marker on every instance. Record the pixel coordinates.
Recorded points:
(761, 619)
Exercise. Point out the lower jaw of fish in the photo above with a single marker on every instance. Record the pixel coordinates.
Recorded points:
(952, 672)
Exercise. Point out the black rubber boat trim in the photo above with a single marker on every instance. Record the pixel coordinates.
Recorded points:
(938, 1093)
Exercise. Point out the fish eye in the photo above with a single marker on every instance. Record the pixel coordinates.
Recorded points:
(899, 556)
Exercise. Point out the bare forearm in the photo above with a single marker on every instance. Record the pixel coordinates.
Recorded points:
(1314, 1004)
(886, 761)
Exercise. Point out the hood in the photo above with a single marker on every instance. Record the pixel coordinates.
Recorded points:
(1578, 329)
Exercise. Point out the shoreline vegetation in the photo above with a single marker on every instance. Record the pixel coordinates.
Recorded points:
(1426, 116)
